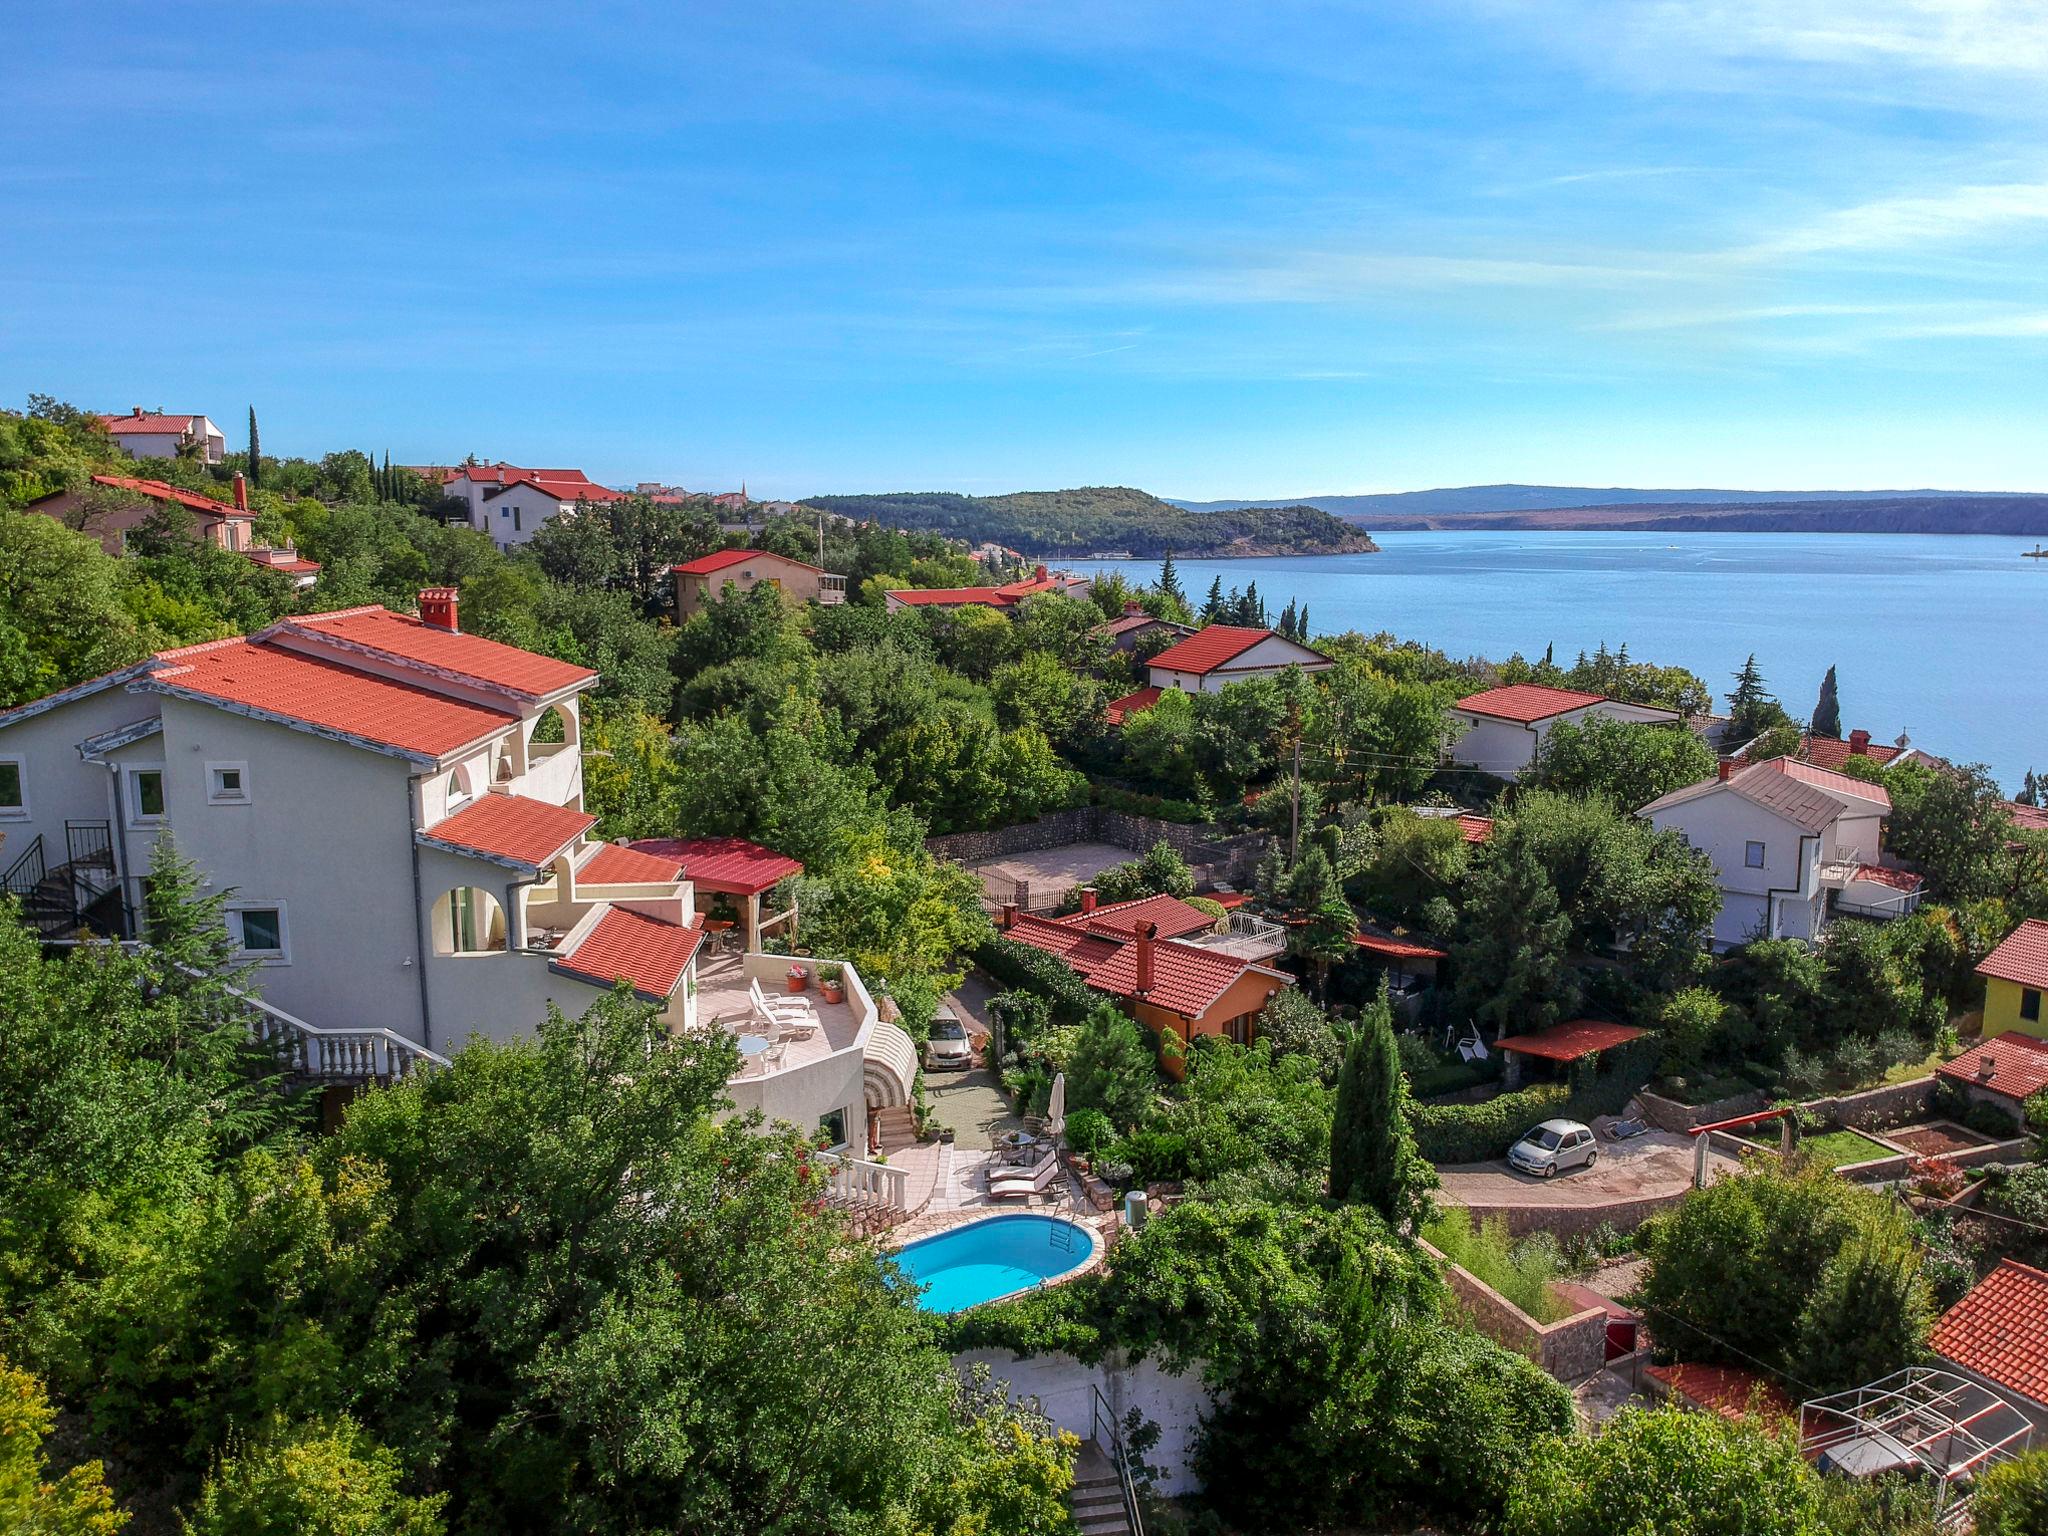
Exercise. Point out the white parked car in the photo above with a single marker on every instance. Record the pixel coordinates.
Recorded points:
(1554, 1147)
(947, 1048)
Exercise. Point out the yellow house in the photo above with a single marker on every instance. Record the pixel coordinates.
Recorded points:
(2015, 975)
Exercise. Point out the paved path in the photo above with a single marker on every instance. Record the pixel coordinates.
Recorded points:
(1657, 1163)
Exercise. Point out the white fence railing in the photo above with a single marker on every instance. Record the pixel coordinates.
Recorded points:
(852, 1178)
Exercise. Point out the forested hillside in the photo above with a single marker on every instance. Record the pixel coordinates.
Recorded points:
(1080, 522)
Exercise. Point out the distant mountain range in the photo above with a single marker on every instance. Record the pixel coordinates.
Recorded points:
(1694, 511)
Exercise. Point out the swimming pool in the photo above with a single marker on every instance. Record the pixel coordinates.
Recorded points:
(985, 1260)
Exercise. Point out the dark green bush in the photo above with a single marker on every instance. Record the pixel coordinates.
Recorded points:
(1159, 807)
(1089, 1132)
(1020, 966)
(1155, 1154)
(1473, 1133)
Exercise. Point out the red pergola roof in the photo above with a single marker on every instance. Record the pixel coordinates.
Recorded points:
(731, 866)
(1568, 1042)
(1397, 949)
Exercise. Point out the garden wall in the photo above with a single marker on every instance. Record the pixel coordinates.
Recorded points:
(1878, 1108)
(1061, 1384)
(1670, 1115)
(1576, 1220)
(1205, 845)
(1570, 1349)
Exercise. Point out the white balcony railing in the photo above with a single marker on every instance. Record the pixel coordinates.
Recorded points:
(855, 1181)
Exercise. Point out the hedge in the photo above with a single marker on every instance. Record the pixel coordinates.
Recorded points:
(1021, 967)
(1476, 1133)
(1157, 807)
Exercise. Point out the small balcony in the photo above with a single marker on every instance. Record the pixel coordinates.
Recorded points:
(1244, 936)
(831, 591)
(725, 1001)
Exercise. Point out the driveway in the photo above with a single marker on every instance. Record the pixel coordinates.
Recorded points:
(1657, 1163)
(972, 1102)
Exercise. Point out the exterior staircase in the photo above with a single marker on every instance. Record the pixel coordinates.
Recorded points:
(1097, 1497)
(80, 895)
(897, 1128)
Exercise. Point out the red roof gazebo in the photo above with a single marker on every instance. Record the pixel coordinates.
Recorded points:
(1565, 1043)
(730, 866)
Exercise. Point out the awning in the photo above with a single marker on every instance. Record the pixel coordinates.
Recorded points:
(1569, 1042)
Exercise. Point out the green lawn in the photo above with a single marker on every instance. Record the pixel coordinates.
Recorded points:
(1837, 1149)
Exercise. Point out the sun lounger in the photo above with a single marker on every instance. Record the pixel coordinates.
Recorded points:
(1016, 1184)
(783, 1010)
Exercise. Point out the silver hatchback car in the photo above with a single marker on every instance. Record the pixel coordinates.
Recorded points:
(1555, 1146)
(947, 1048)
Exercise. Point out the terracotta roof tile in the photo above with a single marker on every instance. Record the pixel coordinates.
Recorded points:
(614, 864)
(1117, 711)
(406, 639)
(1832, 751)
(1826, 778)
(721, 559)
(952, 597)
(1388, 947)
(727, 864)
(512, 827)
(327, 695)
(1728, 1390)
(2000, 1330)
(2019, 1065)
(633, 947)
(1526, 702)
(1477, 829)
(1169, 914)
(1882, 874)
(2029, 818)
(149, 424)
(1186, 979)
(1207, 649)
(159, 490)
(2022, 956)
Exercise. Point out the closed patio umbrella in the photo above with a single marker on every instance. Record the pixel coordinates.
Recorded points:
(1056, 1108)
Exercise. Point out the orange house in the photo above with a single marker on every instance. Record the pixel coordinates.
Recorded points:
(1179, 989)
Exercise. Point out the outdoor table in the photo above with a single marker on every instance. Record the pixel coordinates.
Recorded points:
(753, 1045)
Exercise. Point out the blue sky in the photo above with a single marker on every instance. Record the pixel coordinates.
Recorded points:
(1251, 250)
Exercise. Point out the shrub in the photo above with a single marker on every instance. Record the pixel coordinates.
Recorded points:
(1473, 1133)
(311, 1480)
(1297, 1027)
(1021, 967)
(1522, 1272)
(1208, 906)
(1159, 807)
(1160, 871)
(1026, 1018)
(2012, 1499)
(31, 1501)
(1089, 1132)
(1155, 1154)
(1111, 1068)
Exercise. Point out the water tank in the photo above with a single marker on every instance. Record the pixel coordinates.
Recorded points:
(1135, 1209)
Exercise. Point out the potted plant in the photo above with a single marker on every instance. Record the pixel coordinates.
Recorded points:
(799, 978)
(830, 982)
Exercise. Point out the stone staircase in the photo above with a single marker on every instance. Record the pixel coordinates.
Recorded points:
(1097, 1499)
(897, 1128)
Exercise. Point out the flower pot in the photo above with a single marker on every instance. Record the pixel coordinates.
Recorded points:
(946, 1134)
(798, 981)
(832, 991)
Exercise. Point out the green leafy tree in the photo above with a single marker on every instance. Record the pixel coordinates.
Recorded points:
(1373, 1160)
(1624, 762)
(1159, 871)
(1417, 868)
(1295, 1026)
(1513, 966)
(2012, 1498)
(1111, 1068)
(319, 1479)
(1670, 1471)
(31, 1501)
(1827, 713)
(62, 619)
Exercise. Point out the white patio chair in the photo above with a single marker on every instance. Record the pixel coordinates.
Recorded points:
(1018, 1185)
(772, 1057)
(782, 1010)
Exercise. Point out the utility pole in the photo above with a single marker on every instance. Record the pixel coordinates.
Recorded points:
(1294, 811)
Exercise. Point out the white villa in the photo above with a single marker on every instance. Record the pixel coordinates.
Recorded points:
(1212, 658)
(397, 810)
(1500, 731)
(154, 435)
(513, 504)
(1793, 844)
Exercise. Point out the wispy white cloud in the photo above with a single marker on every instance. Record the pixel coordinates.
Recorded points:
(1903, 223)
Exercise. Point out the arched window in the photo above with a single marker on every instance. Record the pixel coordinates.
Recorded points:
(554, 726)
(458, 790)
(468, 921)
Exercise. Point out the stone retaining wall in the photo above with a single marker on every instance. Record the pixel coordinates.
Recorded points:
(1569, 1349)
(1576, 1220)
(1670, 1115)
(1054, 830)
(1202, 844)
(1878, 1108)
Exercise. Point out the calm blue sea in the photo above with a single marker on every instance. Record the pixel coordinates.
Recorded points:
(1943, 638)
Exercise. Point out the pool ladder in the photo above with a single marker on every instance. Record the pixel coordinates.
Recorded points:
(1061, 1236)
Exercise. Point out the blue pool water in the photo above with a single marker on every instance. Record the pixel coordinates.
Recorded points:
(987, 1259)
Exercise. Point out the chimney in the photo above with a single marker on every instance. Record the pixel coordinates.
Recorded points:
(1859, 743)
(241, 491)
(1132, 607)
(1006, 915)
(1144, 968)
(1987, 1068)
(138, 410)
(1087, 898)
(437, 608)
(1725, 769)
(1039, 573)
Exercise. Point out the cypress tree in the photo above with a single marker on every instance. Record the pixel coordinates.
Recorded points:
(1212, 610)
(255, 452)
(1287, 621)
(1373, 1161)
(1827, 714)
(1301, 625)
(1169, 579)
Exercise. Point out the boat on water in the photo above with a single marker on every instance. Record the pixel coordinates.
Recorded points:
(2036, 553)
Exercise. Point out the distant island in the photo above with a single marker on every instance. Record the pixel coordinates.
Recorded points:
(1117, 520)
(1538, 507)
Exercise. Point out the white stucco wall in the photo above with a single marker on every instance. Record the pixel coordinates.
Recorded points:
(61, 786)
(1504, 748)
(1721, 825)
(1061, 1385)
(1269, 658)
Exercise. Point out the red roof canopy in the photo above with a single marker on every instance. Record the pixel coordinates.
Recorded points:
(731, 866)
(512, 827)
(636, 948)
(1476, 829)
(1397, 949)
(2000, 1330)
(2019, 1065)
(1207, 649)
(1117, 711)
(2022, 956)
(1526, 702)
(1732, 1391)
(952, 597)
(1568, 1042)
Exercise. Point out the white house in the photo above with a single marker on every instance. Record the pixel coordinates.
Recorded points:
(1792, 845)
(396, 809)
(512, 504)
(153, 435)
(1211, 659)
(1500, 730)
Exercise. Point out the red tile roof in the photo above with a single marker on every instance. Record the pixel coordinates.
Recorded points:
(1207, 649)
(1477, 829)
(613, 864)
(1832, 751)
(1728, 1390)
(951, 597)
(2019, 1065)
(512, 827)
(1826, 778)
(1897, 879)
(2031, 818)
(1526, 702)
(1171, 916)
(632, 947)
(1125, 623)
(2000, 1330)
(1568, 1042)
(562, 484)
(158, 490)
(1117, 711)
(1079, 948)
(326, 694)
(149, 424)
(404, 638)
(720, 559)
(2022, 956)
(730, 865)
(291, 565)
(1391, 948)
(1186, 979)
